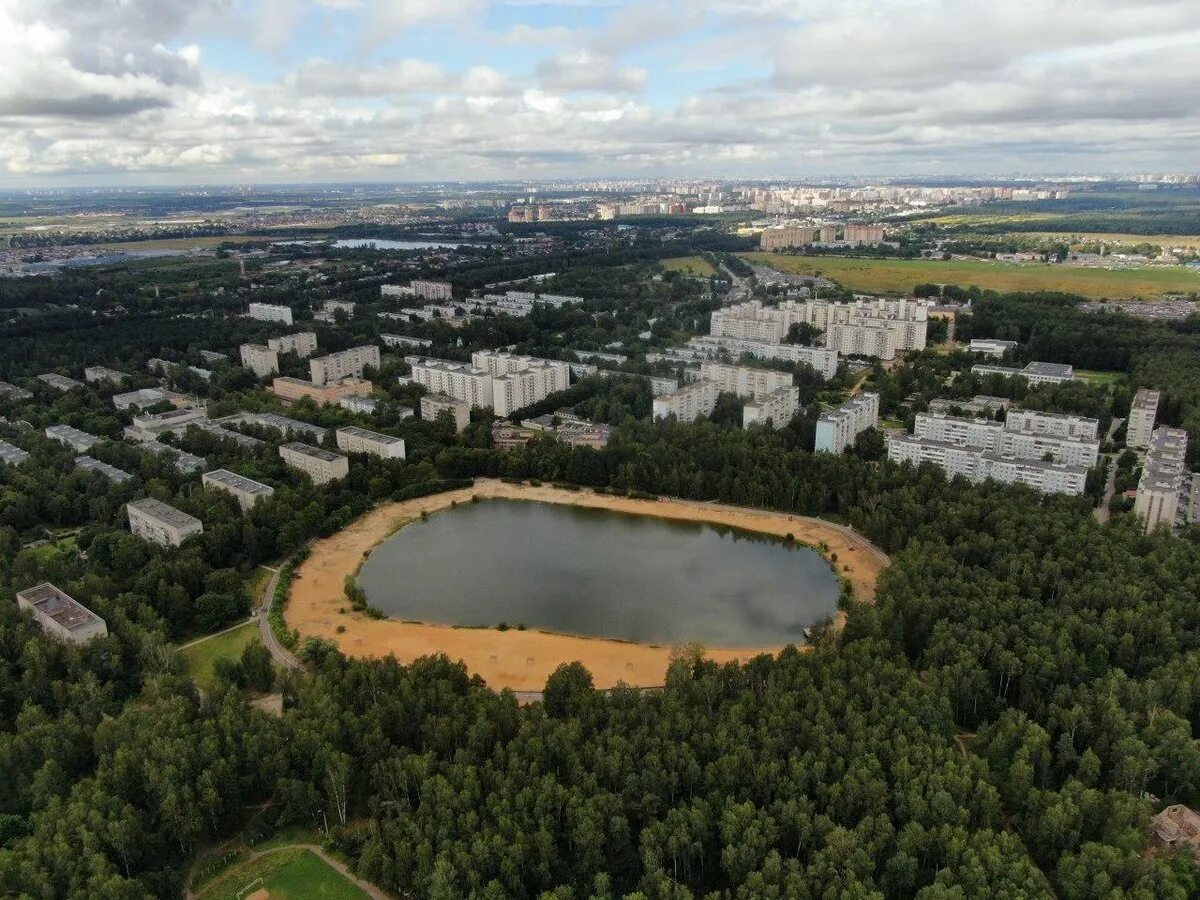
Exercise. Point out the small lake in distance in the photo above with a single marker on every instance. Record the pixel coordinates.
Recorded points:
(597, 573)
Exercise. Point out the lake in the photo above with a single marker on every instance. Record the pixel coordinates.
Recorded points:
(597, 573)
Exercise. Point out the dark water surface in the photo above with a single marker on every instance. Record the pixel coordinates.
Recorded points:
(599, 574)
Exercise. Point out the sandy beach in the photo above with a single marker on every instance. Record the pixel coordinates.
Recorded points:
(523, 660)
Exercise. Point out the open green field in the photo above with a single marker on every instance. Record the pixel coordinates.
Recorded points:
(689, 265)
(202, 656)
(895, 276)
(292, 873)
(1104, 378)
(1082, 237)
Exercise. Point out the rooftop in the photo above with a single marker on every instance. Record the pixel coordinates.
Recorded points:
(1056, 370)
(238, 482)
(112, 473)
(59, 606)
(11, 455)
(308, 450)
(369, 435)
(163, 512)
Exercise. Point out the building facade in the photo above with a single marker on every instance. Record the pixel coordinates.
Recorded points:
(269, 312)
(991, 347)
(1165, 480)
(352, 439)
(259, 359)
(289, 390)
(690, 402)
(302, 343)
(838, 428)
(321, 465)
(745, 381)
(775, 408)
(342, 365)
(432, 405)
(245, 490)
(1143, 413)
(979, 465)
(60, 615)
(160, 523)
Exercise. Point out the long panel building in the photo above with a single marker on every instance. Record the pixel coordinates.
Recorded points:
(502, 381)
(321, 465)
(344, 364)
(823, 360)
(161, 523)
(745, 381)
(61, 615)
(352, 439)
(245, 490)
(979, 465)
(1164, 478)
(268, 312)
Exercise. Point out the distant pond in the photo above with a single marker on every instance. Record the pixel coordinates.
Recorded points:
(597, 573)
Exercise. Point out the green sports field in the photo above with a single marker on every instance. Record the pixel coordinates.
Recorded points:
(292, 873)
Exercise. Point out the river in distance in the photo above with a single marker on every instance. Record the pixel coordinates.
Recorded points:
(597, 573)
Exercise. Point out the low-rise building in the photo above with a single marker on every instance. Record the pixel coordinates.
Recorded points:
(838, 428)
(1034, 372)
(321, 465)
(59, 382)
(289, 390)
(403, 340)
(979, 405)
(991, 347)
(1178, 825)
(60, 615)
(269, 312)
(365, 405)
(302, 343)
(432, 405)
(259, 359)
(11, 455)
(345, 364)
(775, 408)
(1143, 413)
(214, 357)
(282, 424)
(79, 441)
(352, 439)
(246, 491)
(144, 398)
(180, 459)
(690, 402)
(100, 374)
(112, 473)
(12, 392)
(570, 429)
(161, 523)
(151, 426)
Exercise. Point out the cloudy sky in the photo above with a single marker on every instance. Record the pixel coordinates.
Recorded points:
(190, 91)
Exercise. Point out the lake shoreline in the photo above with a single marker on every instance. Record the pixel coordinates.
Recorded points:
(522, 660)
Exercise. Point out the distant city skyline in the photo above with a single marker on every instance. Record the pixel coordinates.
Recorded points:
(225, 92)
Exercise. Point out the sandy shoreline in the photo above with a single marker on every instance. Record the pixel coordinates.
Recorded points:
(523, 660)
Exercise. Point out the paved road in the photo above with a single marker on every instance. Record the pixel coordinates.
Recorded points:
(1110, 487)
(279, 653)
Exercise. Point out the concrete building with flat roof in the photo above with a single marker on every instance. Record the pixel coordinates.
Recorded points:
(59, 382)
(462, 381)
(151, 426)
(12, 392)
(786, 237)
(1165, 481)
(275, 422)
(79, 441)
(365, 405)
(1034, 372)
(144, 398)
(319, 464)
(775, 408)
(269, 312)
(979, 405)
(690, 402)
(182, 461)
(11, 455)
(214, 357)
(259, 359)
(432, 405)
(342, 365)
(60, 615)
(228, 434)
(570, 429)
(1143, 413)
(101, 374)
(1061, 425)
(838, 428)
(289, 390)
(302, 343)
(991, 347)
(823, 360)
(245, 490)
(161, 523)
(112, 473)
(744, 381)
(1010, 438)
(402, 340)
(352, 439)
(978, 465)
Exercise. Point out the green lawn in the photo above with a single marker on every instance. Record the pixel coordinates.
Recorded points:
(689, 265)
(892, 276)
(289, 874)
(1105, 378)
(201, 657)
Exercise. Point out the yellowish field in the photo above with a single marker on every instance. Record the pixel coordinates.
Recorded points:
(894, 276)
(689, 265)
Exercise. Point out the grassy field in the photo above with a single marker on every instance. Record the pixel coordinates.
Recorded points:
(1087, 237)
(289, 874)
(689, 265)
(201, 657)
(900, 275)
(188, 243)
(1103, 378)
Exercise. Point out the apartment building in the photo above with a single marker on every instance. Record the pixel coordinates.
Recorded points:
(462, 381)
(748, 322)
(1034, 372)
(979, 465)
(366, 405)
(59, 382)
(302, 343)
(344, 364)
(144, 398)
(991, 347)
(151, 426)
(402, 340)
(745, 381)
(863, 234)
(979, 405)
(332, 307)
(1164, 479)
(1013, 438)
(352, 439)
(268, 312)
(289, 390)
(786, 237)
(1073, 451)
(275, 422)
(161, 523)
(425, 290)
(570, 429)
(112, 473)
(321, 465)
(1061, 425)
(979, 434)
(79, 441)
(101, 374)
(690, 402)
(432, 405)
(775, 408)
(214, 357)
(1142, 415)
(827, 234)
(60, 615)
(259, 359)
(181, 460)
(823, 360)
(246, 491)
(11, 455)
(838, 428)
(12, 392)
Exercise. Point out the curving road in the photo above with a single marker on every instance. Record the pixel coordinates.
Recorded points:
(279, 653)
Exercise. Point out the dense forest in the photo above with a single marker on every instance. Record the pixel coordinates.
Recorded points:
(996, 724)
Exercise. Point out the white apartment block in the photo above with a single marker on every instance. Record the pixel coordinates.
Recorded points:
(151, 426)
(1034, 372)
(688, 403)
(365, 405)
(744, 381)
(991, 347)
(98, 374)
(403, 340)
(321, 465)
(433, 404)
(345, 364)
(747, 324)
(1072, 451)
(1164, 478)
(978, 434)
(426, 290)
(519, 381)
(837, 429)
(245, 490)
(112, 473)
(1062, 425)
(978, 465)
(823, 360)
(160, 523)
(330, 307)
(1142, 414)
(302, 343)
(269, 312)
(259, 359)
(1006, 440)
(462, 381)
(79, 441)
(61, 615)
(145, 397)
(775, 408)
(353, 439)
